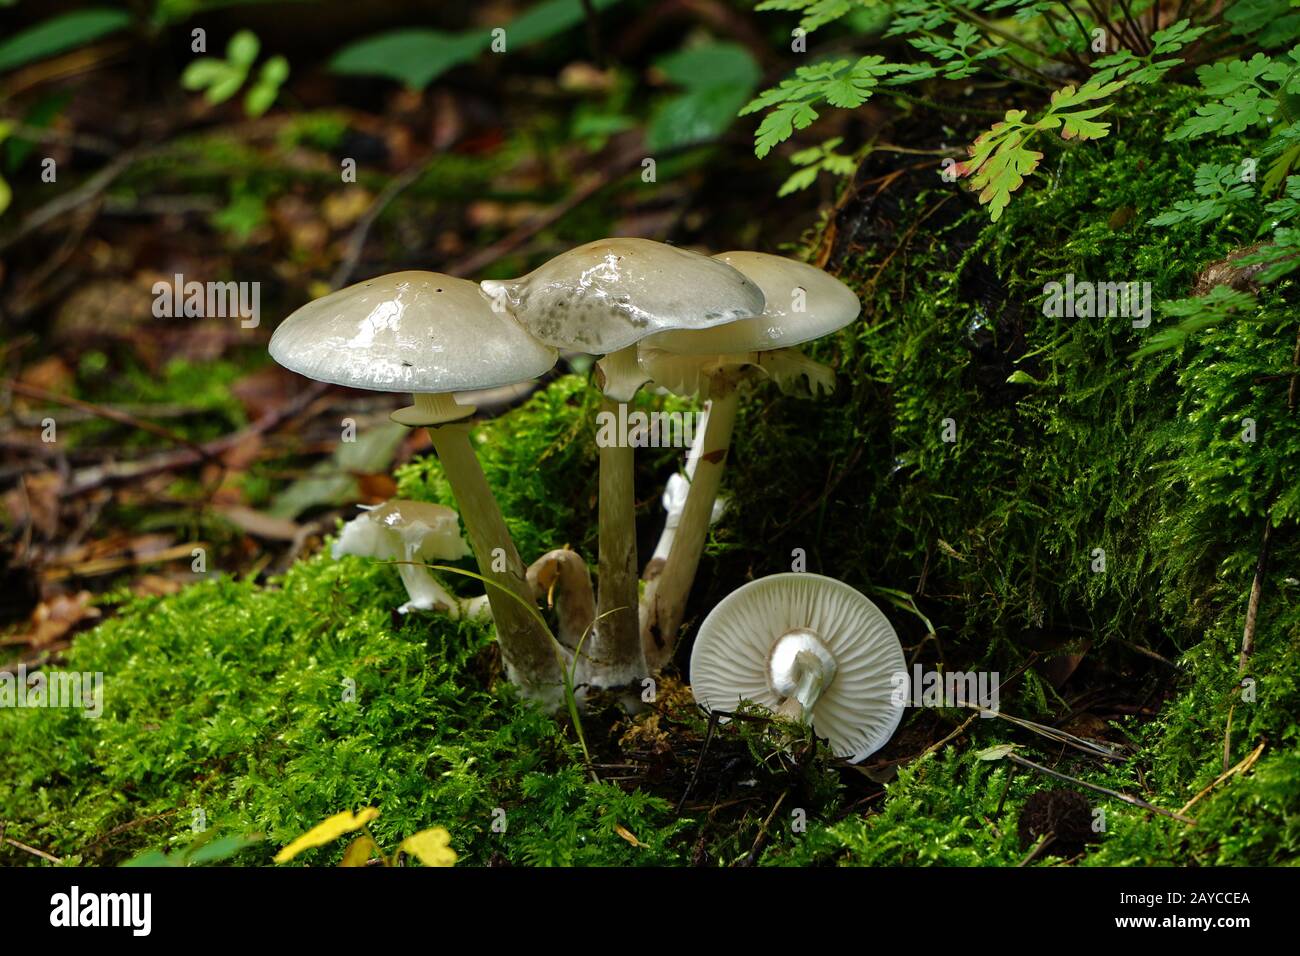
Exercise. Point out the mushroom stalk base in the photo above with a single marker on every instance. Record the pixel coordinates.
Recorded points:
(612, 656)
(799, 668)
(664, 605)
(531, 655)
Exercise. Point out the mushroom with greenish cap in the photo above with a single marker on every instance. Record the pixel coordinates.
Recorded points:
(412, 533)
(434, 335)
(810, 648)
(603, 298)
(803, 303)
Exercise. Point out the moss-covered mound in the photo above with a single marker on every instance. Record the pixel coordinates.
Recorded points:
(1023, 496)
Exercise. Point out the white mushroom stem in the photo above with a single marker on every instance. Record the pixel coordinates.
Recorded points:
(799, 668)
(424, 591)
(616, 643)
(531, 655)
(674, 499)
(664, 604)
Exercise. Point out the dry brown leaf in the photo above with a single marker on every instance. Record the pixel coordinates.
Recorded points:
(343, 208)
(259, 523)
(376, 488)
(154, 585)
(36, 500)
(58, 615)
(626, 834)
(50, 374)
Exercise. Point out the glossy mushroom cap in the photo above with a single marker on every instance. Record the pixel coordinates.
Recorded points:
(802, 303)
(420, 332)
(763, 627)
(609, 294)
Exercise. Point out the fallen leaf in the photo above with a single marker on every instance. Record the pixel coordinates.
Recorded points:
(359, 852)
(50, 374)
(154, 585)
(627, 835)
(327, 831)
(376, 488)
(57, 616)
(431, 847)
(259, 523)
(36, 500)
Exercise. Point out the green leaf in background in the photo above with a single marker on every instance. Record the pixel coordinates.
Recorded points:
(814, 161)
(242, 49)
(60, 34)
(334, 482)
(263, 93)
(412, 57)
(717, 79)
(206, 848)
(418, 57)
(549, 19)
(222, 79)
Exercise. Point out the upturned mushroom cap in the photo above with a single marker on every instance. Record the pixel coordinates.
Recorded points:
(420, 332)
(609, 294)
(412, 533)
(861, 703)
(802, 303)
(404, 529)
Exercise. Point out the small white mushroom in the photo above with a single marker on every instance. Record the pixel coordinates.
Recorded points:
(413, 533)
(808, 647)
(674, 499)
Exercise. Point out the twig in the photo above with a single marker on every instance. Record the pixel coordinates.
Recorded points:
(937, 744)
(357, 239)
(33, 851)
(1043, 843)
(73, 198)
(752, 855)
(1054, 734)
(103, 411)
(1124, 797)
(1242, 766)
(123, 827)
(699, 762)
(93, 478)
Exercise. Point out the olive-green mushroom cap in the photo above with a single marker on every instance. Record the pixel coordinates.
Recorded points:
(420, 332)
(803, 303)
(610, 294)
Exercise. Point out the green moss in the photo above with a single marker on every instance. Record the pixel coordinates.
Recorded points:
(229, 696)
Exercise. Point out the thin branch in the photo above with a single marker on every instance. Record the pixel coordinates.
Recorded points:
(1124, 797)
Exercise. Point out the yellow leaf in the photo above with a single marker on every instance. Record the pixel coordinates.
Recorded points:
(359, 852)
(627, 835)
(330, 829)
(431, 847)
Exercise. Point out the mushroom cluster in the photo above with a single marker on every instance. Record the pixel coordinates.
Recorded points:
(700, 326)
